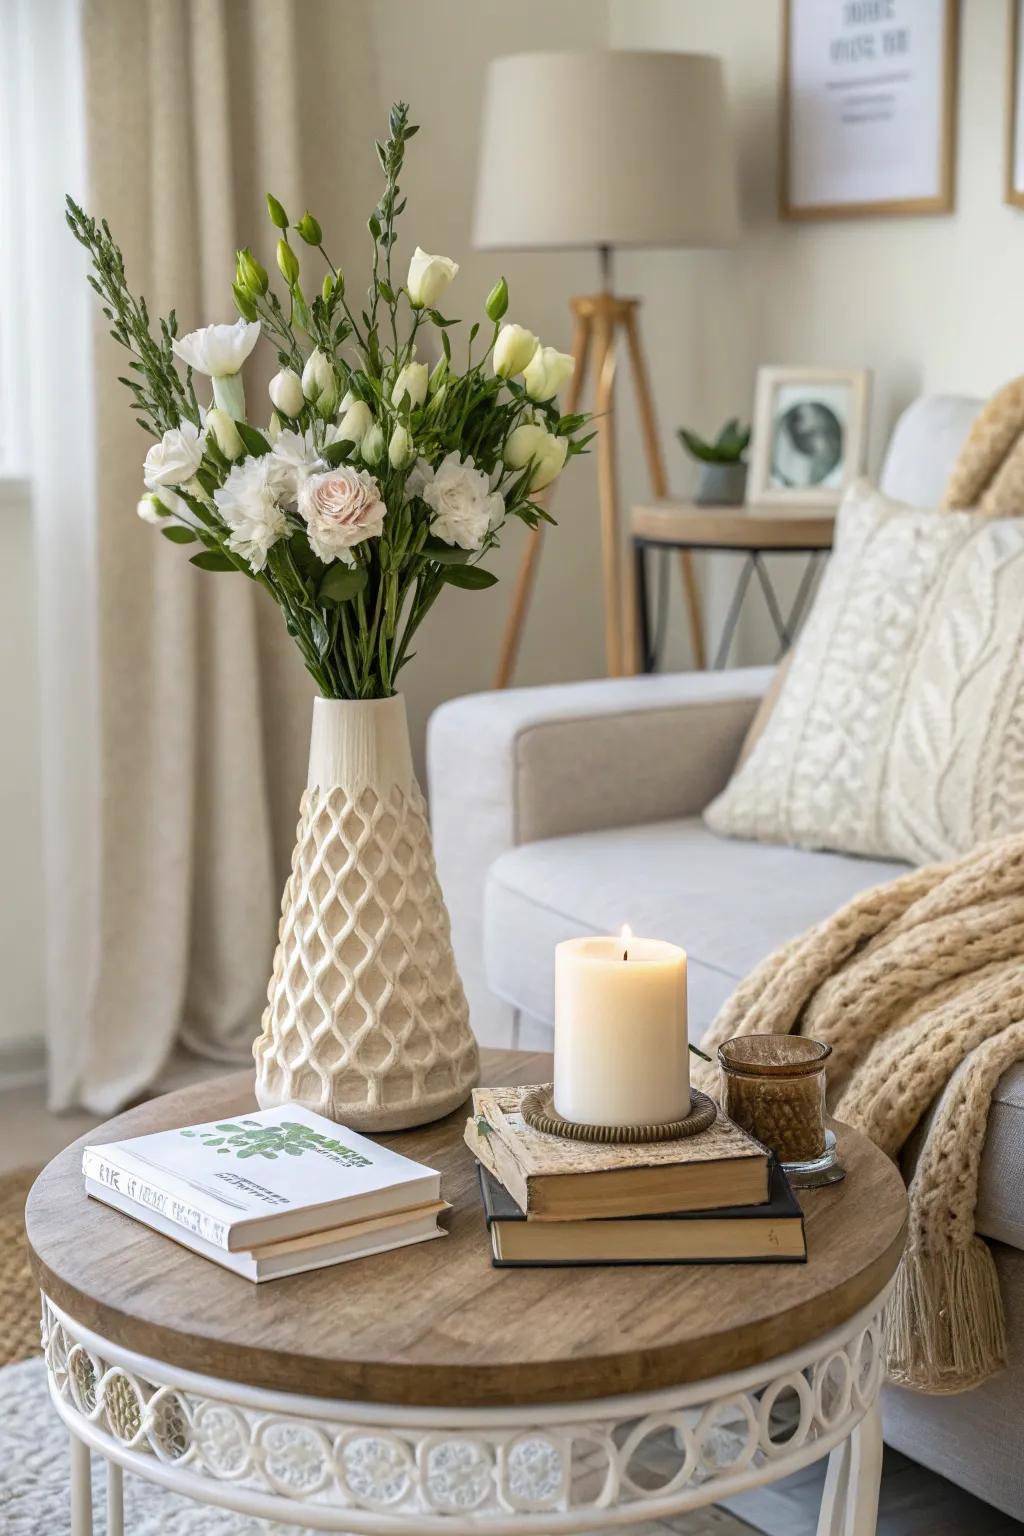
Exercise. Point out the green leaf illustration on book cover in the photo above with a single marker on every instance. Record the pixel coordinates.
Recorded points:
(248, 1138)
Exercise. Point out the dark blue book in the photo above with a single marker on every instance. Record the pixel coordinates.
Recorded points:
(772, 1233)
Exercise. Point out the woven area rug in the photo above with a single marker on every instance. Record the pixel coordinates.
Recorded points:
(19, 1300)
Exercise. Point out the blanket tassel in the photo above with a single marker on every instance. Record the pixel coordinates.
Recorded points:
(944, 1321)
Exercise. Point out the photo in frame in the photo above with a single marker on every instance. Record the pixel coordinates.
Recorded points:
(809, 436)
(1014, 172)
(868, 107)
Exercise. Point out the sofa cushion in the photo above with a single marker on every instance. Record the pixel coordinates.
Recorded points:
(729, 904)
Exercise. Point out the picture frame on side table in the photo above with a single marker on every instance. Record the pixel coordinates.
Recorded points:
(868, 117)
(810, 435)
(1013, 189)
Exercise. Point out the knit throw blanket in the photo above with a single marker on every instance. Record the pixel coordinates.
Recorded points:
(918, 986)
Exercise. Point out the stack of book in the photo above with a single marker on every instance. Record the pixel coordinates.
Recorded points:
(715, 1198)
(271, 1193)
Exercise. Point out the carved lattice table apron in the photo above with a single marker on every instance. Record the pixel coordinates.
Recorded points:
(424, 1391)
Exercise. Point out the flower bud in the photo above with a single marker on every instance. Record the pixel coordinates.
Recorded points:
(317, 377)
(372, 446)
(497, 300)
(355, 423)
(534, 444)
(428, 278)
(225, 433)
(412, 381)
(513, 350)
(245, 306)
(309, 229)
(400, 449)
(327, 287)
(274, 429)
(286, 393)
(546, 372)
(287, 262)
(438, 376)
(152, 510)
(249, 273)
(276, 211)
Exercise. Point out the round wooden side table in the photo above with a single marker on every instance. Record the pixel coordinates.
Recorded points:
(750, 532)
(424, 1391)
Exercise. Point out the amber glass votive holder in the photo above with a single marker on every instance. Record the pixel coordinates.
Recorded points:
(773, 1086)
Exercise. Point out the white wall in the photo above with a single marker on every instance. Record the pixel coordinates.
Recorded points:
(932, 304)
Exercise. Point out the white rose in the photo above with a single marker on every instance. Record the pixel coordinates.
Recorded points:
(341, 508)
(513, 350)
(372, 446)
(546, 372)
(400, 448)
(218, 350)
(157, 509)
(534, 444)
(459, 495)
(175, 458)
(286, 392)
(250, 502)
(225, 433)
(318, 377)
(428, 278)
(412, 381)
(355, 423)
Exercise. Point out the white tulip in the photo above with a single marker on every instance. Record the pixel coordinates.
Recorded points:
(355, 423)
(317, 377)
(225, 433)
(286, 392)
(372, 446)
(428, 278)
(546, 372)
(513, 350)
(218, 350)
(533, 444)
(175, 458)
(400, 449)
(412, 381)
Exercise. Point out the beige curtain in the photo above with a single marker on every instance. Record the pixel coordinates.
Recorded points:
(193, 111)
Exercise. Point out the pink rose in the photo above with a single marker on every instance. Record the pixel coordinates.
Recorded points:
(342, 508)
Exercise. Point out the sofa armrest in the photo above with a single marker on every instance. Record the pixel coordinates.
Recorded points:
(512, 767)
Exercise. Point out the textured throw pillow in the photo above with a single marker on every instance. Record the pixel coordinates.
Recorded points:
(899, 730)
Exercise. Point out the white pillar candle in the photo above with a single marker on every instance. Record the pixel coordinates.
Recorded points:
(621, 1052)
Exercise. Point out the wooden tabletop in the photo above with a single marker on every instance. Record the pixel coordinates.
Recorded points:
(686, 524)
(435, 1323)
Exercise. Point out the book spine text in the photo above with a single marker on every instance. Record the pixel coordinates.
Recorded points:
(168, 1205)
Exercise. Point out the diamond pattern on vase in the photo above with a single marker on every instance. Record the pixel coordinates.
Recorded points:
(367, 1021)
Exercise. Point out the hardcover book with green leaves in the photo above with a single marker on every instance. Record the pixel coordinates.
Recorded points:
(260, 1178)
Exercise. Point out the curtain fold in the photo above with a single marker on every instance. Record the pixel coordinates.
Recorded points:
(200, 710)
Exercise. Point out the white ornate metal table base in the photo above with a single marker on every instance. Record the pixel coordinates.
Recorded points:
(373, 1469)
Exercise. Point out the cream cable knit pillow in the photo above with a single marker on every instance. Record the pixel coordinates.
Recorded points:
(899, 731)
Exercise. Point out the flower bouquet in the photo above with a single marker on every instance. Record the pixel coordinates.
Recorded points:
(376, 483)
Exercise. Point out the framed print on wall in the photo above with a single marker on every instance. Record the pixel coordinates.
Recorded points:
(809, 437)
(1014, 182)
(868, 107)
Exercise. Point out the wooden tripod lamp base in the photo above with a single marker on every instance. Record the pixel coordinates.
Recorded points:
(601, 320)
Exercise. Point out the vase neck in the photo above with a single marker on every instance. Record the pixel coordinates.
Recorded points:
(360, 743)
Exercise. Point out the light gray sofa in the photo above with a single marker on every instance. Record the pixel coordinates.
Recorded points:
(568, 810)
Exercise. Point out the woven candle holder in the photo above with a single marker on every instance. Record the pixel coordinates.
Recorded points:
(539, 1112)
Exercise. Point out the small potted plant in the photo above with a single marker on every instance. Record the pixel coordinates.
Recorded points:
(723, 470)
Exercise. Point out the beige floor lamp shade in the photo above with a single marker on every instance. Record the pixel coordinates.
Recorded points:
(605, 149)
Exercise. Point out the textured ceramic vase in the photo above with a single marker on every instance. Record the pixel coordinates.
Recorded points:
(366, 1020)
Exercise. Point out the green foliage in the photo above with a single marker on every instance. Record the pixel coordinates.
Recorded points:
(728, 447)
(250, 1138)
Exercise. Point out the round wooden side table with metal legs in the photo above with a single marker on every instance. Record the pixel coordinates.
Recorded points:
(424, 1391)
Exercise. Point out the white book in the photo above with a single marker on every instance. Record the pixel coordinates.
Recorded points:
(259, 1178)
(361, 1238)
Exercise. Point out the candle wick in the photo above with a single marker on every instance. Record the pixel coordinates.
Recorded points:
(625, 954)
